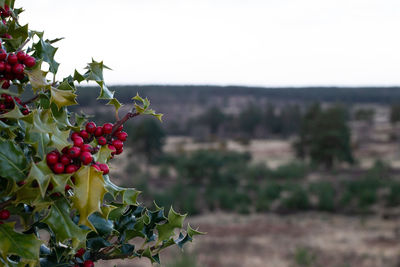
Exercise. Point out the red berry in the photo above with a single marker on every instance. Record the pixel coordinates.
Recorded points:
(50, 187)
(107, 128)
(8, 99)
(86, 158)
(87, 148)
(118, 130)
(112, 148)
(67, 187)
(90, 127)
(65, 150)
(9, 76)
(8, 68)
(25, 111)
(56, 194)
(119, 151)
(96, 167)
(65, 160)
(84, 134)
(58, 168)
(73, 180)
(6, 36)
(74, 135)
(104, 168)
(71, 168)
(74, 152)
(21, 183)
(18, 100)
(29, 61)
(4, 214)
(122, 136)
(51, 158)
(88, 263)
(20, 76)
(2, 106)
(78, 141)
(5, 83)
(3, 54)
(80, 252)
(117, 144)
(12, 59)
(2, 66)
(102, 140)
(99, 131)
(6, 11)
(21, 56)
(18, 69)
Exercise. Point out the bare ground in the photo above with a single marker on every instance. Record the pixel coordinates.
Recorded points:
(281, 240)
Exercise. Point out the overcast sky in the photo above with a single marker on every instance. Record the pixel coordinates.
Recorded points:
(226, 42)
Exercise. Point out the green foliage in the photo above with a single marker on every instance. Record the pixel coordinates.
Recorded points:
(394, 113)
(303, 257)
(326, 195)
(292, 170)
(325, 136)
(81, 209)
(147, 138)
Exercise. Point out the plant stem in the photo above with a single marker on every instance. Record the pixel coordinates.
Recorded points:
(30, 100)
(23, 44)
(120, 122)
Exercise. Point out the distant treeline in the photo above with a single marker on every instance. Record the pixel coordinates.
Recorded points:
(202, 93)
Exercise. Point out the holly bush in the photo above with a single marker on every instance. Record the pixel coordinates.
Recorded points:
(58, 204)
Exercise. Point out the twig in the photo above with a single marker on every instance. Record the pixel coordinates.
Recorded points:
(127, 116)
(23, 44)
(6, 203)
(30, 100)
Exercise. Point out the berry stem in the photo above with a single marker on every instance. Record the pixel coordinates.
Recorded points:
(30, 100)
(6, 203)
(23, 44)
(120, 122)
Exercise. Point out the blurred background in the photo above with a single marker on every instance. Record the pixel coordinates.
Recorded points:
(281, 132)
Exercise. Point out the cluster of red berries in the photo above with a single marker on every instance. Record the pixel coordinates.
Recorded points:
(5, 12)
(7, 103)
(86, 263)
(81, 153)
(12, 66)
(4, 215)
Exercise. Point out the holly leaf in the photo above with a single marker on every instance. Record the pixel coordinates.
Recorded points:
(42, 174)
(59, 139)
(39, 140)
(15, 113)
(166, 230)
(142, 107)
(88, 193)
(45, 51)
(22, 245)
(12, 161)
(129, 195)
(37, 78)
(62, 98)
(61, 224)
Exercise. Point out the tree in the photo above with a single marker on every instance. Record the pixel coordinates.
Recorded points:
(54, 173)
(147, 137)
(213, 118)
(249, 118)
(325, 136)
(394, 113)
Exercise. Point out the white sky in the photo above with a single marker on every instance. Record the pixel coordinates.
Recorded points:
(226, 42)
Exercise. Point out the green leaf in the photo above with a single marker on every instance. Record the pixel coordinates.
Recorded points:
(22, 245)
(37, 78)
(103, 226)
(61, 224)
(143, 107)
(78, 77)
(88, 193)
(166, 230)
(62, 98)
(44, 50)
(39, 140)
(191, 232)
(42, 174)
(19, 34)
(13, 163)
(15, 113)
